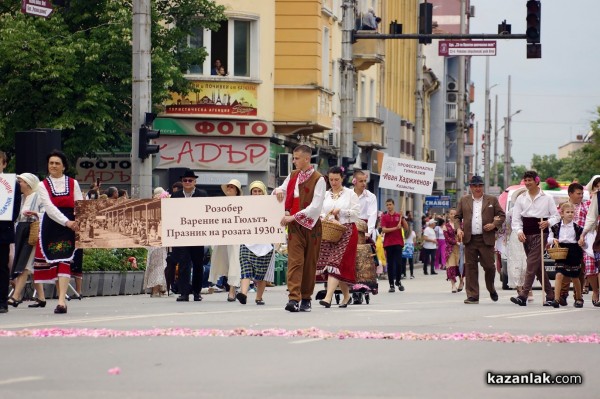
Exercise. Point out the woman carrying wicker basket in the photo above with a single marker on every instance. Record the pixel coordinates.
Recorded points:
(565, 236)
(337, 259)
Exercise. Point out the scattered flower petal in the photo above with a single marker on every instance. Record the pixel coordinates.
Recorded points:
(114, 371)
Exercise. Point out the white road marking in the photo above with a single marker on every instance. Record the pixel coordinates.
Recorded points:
(541, 312)
(20, 379)
(307, 341)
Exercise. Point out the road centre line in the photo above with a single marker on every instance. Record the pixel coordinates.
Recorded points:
(130, 317)
(307, 341)
(540, 312)
(20, 379)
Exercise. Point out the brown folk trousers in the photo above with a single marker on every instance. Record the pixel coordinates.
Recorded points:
(534, 265)
(303, 252)
(476, 251)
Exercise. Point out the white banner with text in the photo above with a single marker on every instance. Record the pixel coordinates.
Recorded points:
(407, 175)
(8, 181)
(253, 219)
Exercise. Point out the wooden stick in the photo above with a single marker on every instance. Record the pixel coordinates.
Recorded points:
(543, 266)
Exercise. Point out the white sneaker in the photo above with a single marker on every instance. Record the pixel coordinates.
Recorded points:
(217, 289)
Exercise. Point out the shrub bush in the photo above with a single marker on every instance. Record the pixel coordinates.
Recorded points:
(97, 259)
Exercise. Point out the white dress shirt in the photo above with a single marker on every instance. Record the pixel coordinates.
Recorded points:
(307, 217)
(542, 206)
(566, 234)
(368, 209)
(347, 203)
(477, 221)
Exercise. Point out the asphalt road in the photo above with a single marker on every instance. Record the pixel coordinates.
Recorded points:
(328, 353)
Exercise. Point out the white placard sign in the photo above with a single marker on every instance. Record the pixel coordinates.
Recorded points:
(407, 175)
(252, 219)
(8, 182)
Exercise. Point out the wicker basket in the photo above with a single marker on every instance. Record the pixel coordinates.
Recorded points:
(558, 253)
(332, 230)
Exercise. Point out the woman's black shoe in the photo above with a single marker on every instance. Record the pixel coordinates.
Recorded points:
(60, 309)
(345, 305)
(242, 298)
(37, 304)
(325, 303)
(13, 302)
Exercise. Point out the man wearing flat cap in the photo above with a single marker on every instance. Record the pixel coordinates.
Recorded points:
(481, 215)
(189, 257)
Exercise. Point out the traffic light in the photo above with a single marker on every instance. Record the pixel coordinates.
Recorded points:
(425, 21)
(145, 149)
(534, 18)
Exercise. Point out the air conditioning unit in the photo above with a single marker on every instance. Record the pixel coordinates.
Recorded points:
(452, 86)
(284, 165)
(451, 97)
(432, 156)
(332, 139)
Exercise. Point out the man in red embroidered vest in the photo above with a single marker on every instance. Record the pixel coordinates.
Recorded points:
(303, 191)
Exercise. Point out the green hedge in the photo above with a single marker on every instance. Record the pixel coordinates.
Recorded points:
(113, 259)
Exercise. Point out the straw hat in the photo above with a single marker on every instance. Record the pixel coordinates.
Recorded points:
(31, 180)
(235, 183)
(260, 185)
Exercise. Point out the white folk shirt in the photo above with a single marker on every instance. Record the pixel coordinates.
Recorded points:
(477, 222)
(566, 234)
(592, 215)
(368, 209)
(347, 203)
(59, 186)
(307, 217)
(542, 206)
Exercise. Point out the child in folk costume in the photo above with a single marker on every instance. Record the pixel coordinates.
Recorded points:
(337, 260)
(566, 234)
(257, 260)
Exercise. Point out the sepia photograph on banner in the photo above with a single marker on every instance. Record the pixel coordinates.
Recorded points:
(114, 223)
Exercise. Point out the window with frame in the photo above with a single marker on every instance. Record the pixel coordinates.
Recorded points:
(232, 50)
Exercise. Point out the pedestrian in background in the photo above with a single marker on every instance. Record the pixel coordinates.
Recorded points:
(440, 261)
(392, 224)
(429, 246)
(481, 215)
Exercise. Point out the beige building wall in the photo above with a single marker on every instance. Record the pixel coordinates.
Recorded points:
(565, 150)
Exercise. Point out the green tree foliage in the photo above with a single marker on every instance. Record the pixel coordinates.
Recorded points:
(546, 165)
(72, 71)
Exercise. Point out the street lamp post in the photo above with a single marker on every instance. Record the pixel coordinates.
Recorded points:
(507, 144)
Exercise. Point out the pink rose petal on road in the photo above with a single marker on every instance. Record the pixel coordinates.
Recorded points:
(114, 371)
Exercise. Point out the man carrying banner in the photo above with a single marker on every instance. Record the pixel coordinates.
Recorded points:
(189, 255)
(303, 191)
(7, 236)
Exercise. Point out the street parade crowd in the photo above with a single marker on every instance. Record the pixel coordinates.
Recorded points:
(335, 235)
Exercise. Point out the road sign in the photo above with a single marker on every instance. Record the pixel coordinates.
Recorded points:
(466, 47)
(40, 8)
(437, 201)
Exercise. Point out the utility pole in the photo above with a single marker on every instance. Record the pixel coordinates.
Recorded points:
(488, 125)
(507, 168)
(347, 81)
(460, 134)
(418, 204)
(141, 170)
(496, 143)
(476, 144)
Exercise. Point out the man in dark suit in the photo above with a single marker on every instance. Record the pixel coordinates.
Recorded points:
(7, 236)
(481, 215)
(189, 255)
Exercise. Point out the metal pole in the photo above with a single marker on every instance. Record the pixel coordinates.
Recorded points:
(347, 81)
(507, 161)
(506, 154)
(141, 171)
(476, 144)
(496, 143)
(460, 134)
(486, 150)
(419, 125)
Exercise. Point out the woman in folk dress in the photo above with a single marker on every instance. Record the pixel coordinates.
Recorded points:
(337, 260)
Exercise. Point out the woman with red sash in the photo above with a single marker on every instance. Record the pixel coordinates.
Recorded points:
(56, 246)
